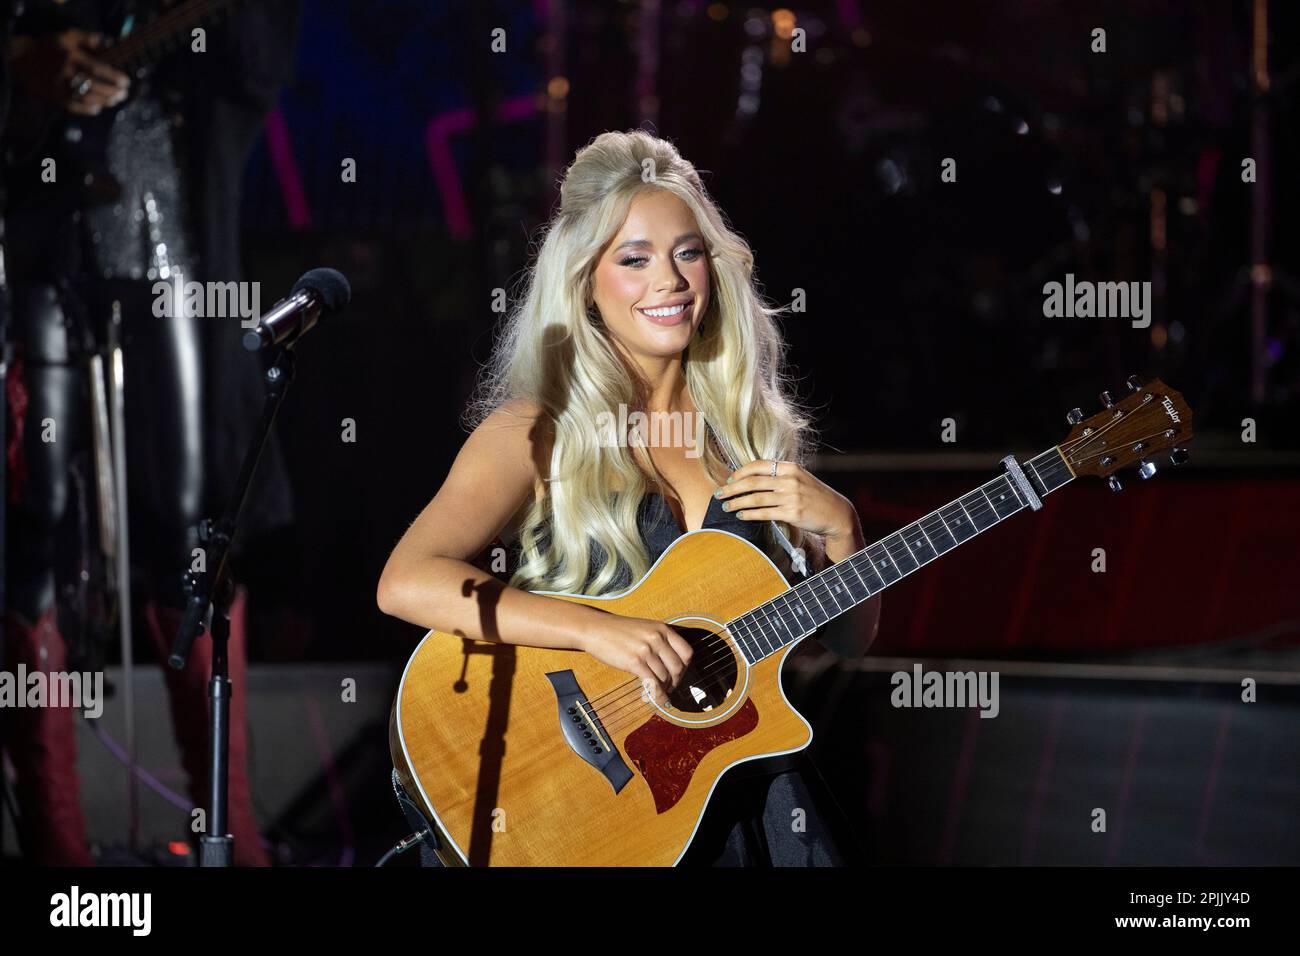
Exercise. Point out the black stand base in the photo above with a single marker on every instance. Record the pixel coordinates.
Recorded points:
(216, 851)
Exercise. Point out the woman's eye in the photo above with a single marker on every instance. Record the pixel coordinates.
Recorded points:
(690, 255)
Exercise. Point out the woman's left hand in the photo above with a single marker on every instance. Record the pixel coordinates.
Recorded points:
(792, 495)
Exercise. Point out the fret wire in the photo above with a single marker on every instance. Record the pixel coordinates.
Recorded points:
(847, 582)
(802, 603)
(839, 578)
(806, 618)
(890, 547)
(846, 585)
(854, 566)
(767, 631)
(734, 628)
(766, 609)
(759, 635)
(767, 641)
(933, 549)
(781, 618)
(943, 524)
(1019, 500)
(958, 522)
(1005, 482)
(1030, 465)
(971, 520)
(743, 639)
(811, 582)
(793, 636)
(870, 565)
(771, 636)
(990, 501)
(995, 481)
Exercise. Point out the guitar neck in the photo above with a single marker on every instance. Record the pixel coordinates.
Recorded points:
(157, 39)
(812, 602)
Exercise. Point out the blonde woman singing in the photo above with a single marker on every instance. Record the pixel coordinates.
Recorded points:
(641, 299)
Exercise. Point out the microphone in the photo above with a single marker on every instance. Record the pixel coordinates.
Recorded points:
(319, 292)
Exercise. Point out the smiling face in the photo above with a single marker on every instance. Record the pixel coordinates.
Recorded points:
(651, 282)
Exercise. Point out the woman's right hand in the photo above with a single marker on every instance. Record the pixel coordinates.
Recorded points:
(62, 69)
(651, 651)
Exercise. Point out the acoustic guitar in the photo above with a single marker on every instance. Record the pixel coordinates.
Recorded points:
(524, 756)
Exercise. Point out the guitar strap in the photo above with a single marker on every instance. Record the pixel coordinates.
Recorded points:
(798, 559)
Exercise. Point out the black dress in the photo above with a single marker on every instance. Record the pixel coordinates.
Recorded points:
(773, 812)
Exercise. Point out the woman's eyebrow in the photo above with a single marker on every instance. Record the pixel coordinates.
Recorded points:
(646, 243)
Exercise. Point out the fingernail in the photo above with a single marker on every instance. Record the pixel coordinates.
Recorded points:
(728, 479)
(718, 493)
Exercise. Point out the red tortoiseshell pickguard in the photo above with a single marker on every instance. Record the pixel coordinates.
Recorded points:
(667, 753)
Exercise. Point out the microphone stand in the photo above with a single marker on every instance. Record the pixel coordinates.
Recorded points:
(210, 594)
(6, 357)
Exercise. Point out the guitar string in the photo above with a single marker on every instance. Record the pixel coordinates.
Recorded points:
(616, 716)
(634, 687)
(723, 658)
(725, 653)
(634, 692)
(1135, 441)
(981, 509)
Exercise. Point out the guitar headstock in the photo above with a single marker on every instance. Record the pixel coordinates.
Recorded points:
(1151, 418)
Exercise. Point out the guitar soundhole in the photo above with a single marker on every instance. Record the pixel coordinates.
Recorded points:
(711, 676)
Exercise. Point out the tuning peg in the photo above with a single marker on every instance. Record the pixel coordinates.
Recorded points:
(1133, 383)
(1179, 456)
(1113, 483)
(1108, 399)
(1074, 416)
(1146, 469)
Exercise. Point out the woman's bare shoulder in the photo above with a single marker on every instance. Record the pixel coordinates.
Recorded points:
(518, 435)
(516, 411)
(517, 425)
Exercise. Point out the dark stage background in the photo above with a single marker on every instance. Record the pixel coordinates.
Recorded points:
(924, 297)
(924, 302)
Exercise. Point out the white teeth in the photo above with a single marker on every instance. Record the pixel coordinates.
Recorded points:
(666, 312)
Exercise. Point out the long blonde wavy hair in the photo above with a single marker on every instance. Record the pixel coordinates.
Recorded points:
(554, 351)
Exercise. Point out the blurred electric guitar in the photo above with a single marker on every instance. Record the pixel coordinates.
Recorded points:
(527, 756)
(37, 130)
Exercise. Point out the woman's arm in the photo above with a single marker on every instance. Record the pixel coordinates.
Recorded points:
(429, 581)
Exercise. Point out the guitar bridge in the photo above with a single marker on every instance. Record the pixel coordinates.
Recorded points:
(585, 733)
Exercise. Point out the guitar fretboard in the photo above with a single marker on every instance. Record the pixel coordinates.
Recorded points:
(812, 602)
(161, 36)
